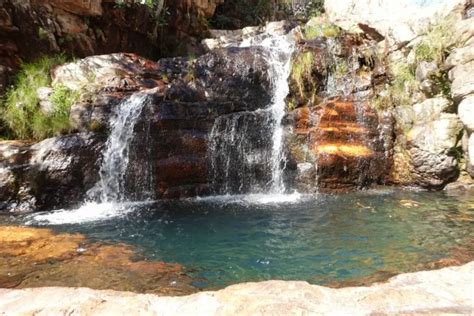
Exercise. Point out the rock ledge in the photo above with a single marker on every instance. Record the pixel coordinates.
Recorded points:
(449, 290)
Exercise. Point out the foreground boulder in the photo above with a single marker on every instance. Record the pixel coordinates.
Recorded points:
(448, 290)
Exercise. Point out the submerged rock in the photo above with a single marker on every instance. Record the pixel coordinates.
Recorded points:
(32, 257)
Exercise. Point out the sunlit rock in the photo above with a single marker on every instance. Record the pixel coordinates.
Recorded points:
(398, 21)
(413, 292)
(466, 113)
(462, 80)
(460, 56)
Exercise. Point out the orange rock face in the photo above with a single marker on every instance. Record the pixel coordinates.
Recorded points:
(343, 142)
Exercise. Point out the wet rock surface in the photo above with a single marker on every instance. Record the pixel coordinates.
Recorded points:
(52, 173)
(432, 292)
(335, 149)
(171, 137)
(338, 140)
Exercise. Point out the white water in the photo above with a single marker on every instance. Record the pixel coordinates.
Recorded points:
(88, 212)
(107, 198)
(110, 187)
(281, 50)
(254, 199)
(231, 136)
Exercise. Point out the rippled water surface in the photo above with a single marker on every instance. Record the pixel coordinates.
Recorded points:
(321, 239)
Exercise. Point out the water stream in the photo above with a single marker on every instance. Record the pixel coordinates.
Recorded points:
(108, 198)
(111, 186)
(246, 149)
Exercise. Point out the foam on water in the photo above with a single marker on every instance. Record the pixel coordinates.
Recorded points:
(253, 199)
(88, 212)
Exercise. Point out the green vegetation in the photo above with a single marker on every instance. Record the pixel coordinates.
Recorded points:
(401, 88)
(341, 68)
(434, 46)
(42, 33)
(311, 32)
(301, 69)
(437, 43)
(158, 9)
(20, 110)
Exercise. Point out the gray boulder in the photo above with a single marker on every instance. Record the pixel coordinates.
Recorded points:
(470, 156)
(462, 80)
(460, 56)
(425, 70)
(430, 147)
(466, 113)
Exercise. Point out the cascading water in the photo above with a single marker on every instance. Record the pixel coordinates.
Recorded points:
(110, 187)
(281, 50)
(243, 161)
(108, 198)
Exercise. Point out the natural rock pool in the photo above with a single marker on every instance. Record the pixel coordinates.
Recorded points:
(333, 240)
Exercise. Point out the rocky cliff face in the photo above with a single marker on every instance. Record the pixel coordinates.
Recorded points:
(32, 28)
(346, 127)
(171, 137)
(428, 87)
(336, 138)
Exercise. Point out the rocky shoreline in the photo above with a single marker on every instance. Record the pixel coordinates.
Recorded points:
(444, 291)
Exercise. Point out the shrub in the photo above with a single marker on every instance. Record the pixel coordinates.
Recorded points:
(311, 32)
(436, 44)
(20, 110)
(402, 86)
(301, 70)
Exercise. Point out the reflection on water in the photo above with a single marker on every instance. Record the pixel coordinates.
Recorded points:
(323, 239)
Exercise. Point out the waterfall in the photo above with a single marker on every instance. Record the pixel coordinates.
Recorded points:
(246, 148)
(111, 185)
(108, 198)
(281, 50)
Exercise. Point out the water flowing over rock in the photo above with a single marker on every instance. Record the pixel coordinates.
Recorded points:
(169, 149)
(111, 186)
(246, 149)
(336, 139)
(218, 124)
